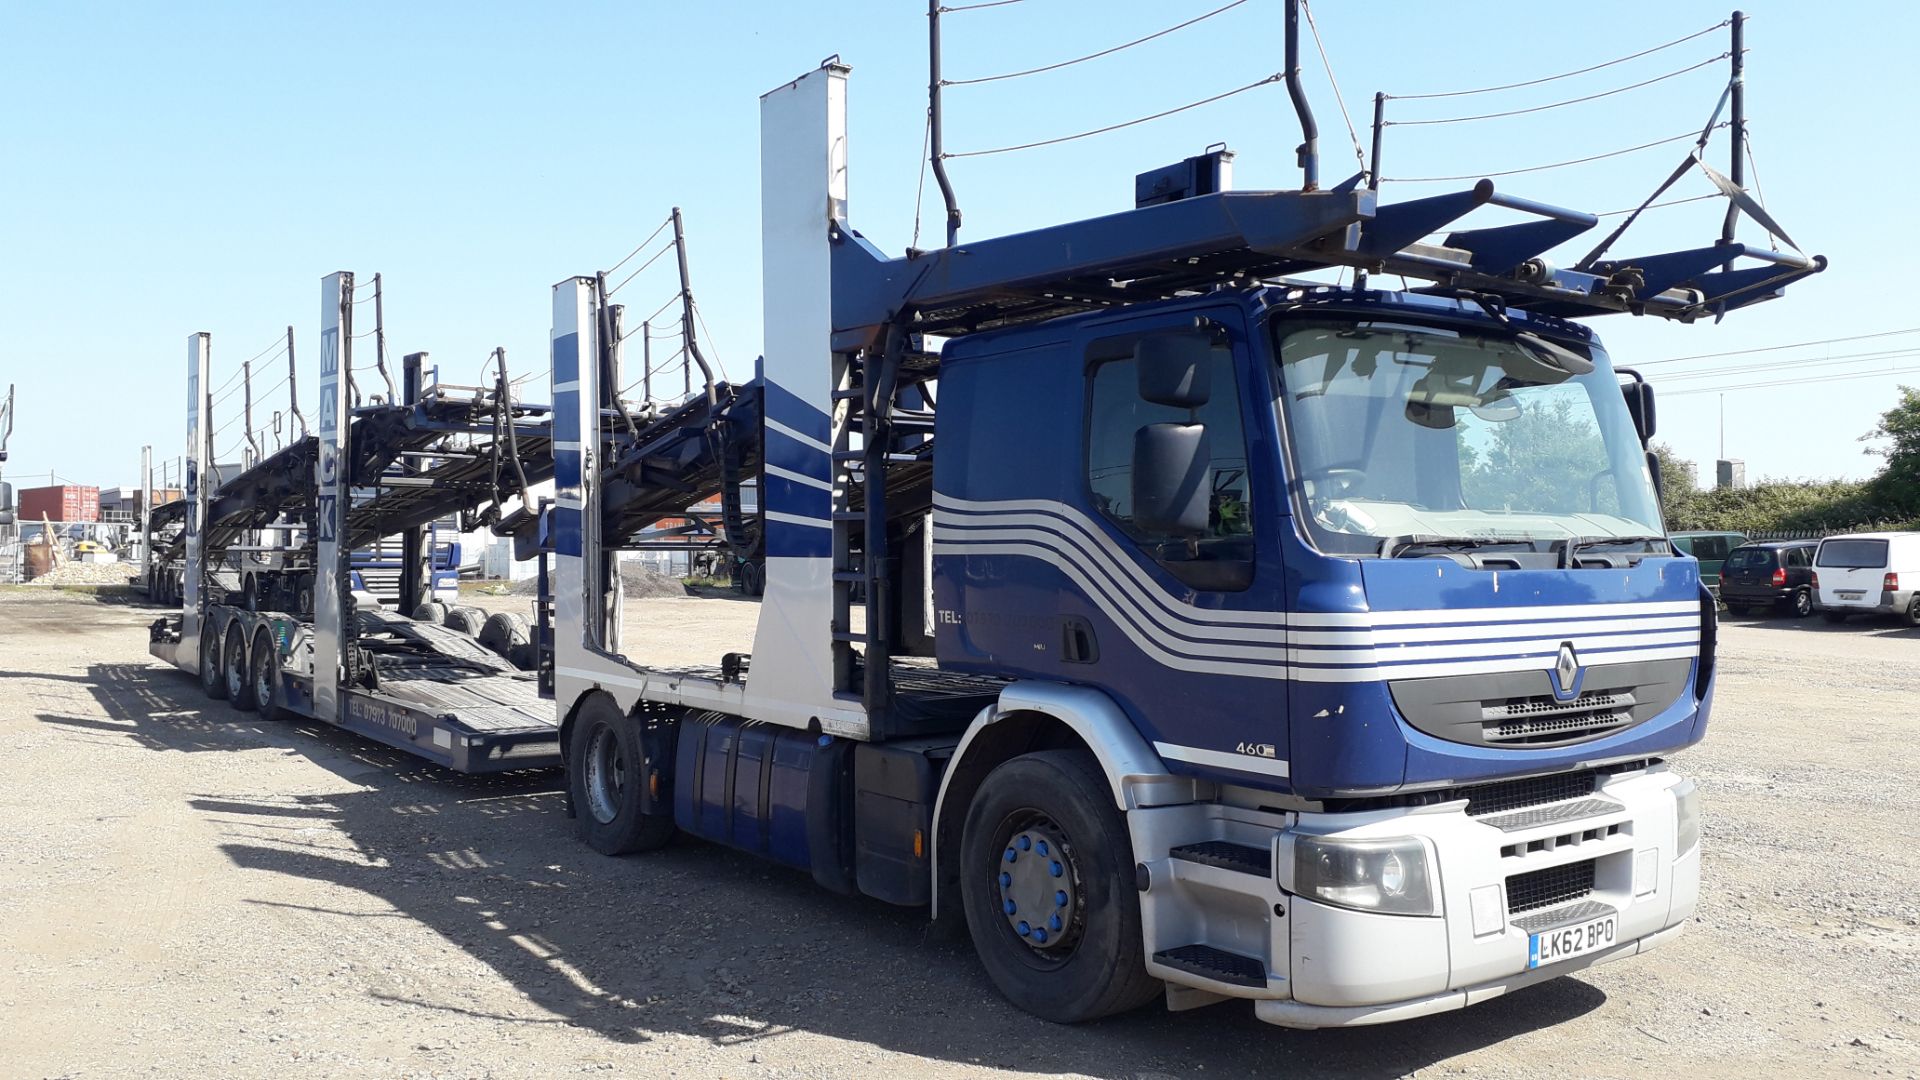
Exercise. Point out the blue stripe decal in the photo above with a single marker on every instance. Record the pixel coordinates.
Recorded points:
(566, 429)
(795, 456)
(800, 415)
(786, 540)
(787, 497)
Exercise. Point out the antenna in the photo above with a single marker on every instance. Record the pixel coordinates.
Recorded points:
(686, 316)
(935, 146)
(1737, 144)
(1309, 151)
(246, 412)
(293, 387)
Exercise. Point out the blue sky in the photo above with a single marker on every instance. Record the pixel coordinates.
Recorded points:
(174, 168)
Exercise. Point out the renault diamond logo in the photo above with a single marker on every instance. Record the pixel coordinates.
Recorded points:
(1566, 671)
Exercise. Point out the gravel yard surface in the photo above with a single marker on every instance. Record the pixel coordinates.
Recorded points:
(192, 892)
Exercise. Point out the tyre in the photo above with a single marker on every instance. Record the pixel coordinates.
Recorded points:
(1834, 616)
(265, 670)
(234, 667)
(250, 593)
(431, 611)
(506, 634)
(605, 771)
(1801, 604)
(1046, 878)
(468, 620)
(1913, 612)
(303, 599)
(756, 578)
(213, 680)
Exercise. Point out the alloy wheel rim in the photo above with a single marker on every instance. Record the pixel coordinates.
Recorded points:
(606, 775)
(1038, 886)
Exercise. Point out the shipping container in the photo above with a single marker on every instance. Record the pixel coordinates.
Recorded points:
(61, 502)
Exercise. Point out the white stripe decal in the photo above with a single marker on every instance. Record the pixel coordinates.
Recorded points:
(805, 440)
(1194, 755)
(1091, 542)
(1377, 645)
(796, 519)
(788, 474)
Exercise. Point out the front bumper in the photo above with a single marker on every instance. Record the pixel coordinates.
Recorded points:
(1329, 966)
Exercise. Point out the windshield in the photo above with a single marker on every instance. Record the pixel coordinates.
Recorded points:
(1400, 430)
(1853, 554)
(1748, 558)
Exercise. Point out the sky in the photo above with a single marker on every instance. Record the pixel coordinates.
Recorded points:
(166, 169)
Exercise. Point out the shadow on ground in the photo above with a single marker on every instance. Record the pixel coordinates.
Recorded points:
(699, 940)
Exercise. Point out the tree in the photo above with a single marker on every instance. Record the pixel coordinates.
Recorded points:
(1897, 487)
(1679, 486)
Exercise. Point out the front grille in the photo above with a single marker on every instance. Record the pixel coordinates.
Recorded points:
(1545, 719)
(1546, 706)
(1547, 888)
(1508, 795)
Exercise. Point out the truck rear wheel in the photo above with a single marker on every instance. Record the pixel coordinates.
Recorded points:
(1047, 882)
(508, 634)
(238, 674)
(265, 669)
(213, 680)
(468, 620)
(606, 770)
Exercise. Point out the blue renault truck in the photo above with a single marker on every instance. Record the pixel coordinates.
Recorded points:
(1182, 627)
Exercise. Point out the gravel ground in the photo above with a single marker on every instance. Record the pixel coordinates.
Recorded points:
(192, 892)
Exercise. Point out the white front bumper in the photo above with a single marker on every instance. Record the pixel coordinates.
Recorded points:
(1333, 966)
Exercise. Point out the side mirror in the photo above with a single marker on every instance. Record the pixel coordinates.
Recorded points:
(6, 517)
(1639, 397)
(1175, 369)
(1172, 483)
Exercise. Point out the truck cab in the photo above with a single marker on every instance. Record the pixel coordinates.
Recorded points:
(1382, 566)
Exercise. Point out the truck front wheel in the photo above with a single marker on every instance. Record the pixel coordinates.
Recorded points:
(1048, 887)
(606, 769)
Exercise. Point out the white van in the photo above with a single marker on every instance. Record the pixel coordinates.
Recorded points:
(1868, 573)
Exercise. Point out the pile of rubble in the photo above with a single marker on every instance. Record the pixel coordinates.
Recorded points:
(86, 573)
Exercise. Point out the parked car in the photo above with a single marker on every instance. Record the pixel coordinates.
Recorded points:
(1712, 549)
(1764, 577)
(1868, 573)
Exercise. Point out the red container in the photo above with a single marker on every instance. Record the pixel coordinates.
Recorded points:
(62, 502)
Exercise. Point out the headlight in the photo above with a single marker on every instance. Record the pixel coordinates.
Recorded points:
(1686, 817)
(1388, 876)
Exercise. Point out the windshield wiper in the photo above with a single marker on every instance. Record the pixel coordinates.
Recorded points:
(1394, 547)
(1572, 546)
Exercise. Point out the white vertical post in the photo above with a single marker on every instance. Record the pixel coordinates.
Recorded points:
(146, 518)
(576, 448)
(331, 489)
(803, 171)
(199, 461)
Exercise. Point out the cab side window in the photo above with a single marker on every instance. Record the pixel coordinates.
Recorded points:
(1213, 551)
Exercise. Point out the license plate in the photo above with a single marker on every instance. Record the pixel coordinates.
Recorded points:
(1553, 946)
(1845, 595)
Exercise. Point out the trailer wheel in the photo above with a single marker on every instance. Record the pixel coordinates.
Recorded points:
(468, 620)
(507, 633)
(266, 675)
(605, 771)
(1048, 887)
(250, 593)
(303, 598)
(234, 668)
(431, 611)
(213, 680)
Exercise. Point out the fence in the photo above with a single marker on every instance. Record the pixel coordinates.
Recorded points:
(1821, 534)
